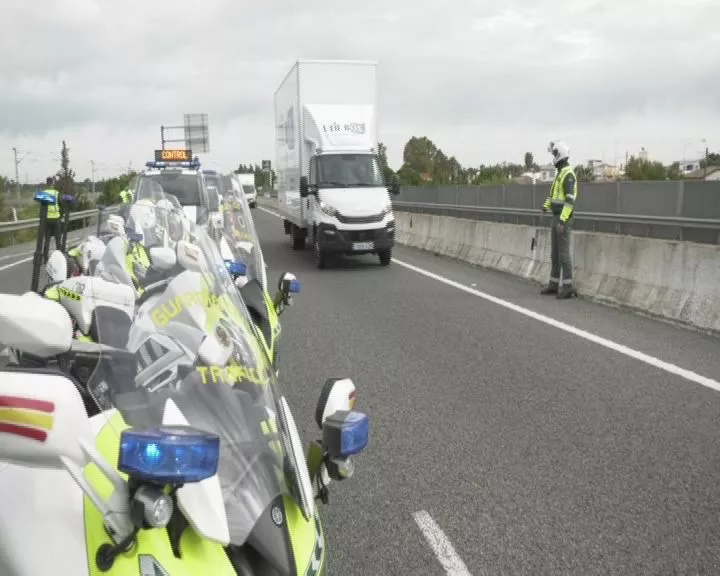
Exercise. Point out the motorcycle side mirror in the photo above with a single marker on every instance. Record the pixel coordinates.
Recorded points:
(287, 286)
(57, 267)
(304, 188)
(337, 394)
(236, 268)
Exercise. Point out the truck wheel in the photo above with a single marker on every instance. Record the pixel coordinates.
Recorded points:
(385, 257)
(298, 243)
(320, 256)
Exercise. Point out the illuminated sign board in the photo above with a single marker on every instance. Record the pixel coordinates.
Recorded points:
(173, 155)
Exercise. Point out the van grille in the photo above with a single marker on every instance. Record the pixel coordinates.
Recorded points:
(360, 219)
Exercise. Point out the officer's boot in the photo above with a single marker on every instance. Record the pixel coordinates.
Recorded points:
(567, 291)
(551, 288)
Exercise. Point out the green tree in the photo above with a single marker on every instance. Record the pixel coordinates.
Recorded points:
(640, 169)
(713, 159)
(673, 171)
(419, 155)
(584, 173)
(529, 161)
(65, 178)
(384, 165)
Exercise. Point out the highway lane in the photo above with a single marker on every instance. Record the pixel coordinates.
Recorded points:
(533, 450)
(16, 264)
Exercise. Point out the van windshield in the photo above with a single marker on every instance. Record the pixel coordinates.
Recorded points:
(349, 171)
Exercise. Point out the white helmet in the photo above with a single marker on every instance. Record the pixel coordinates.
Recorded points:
(559, 150)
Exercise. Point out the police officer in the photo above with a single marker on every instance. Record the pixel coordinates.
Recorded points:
(126, 196)
(53, 226)
(561, 202)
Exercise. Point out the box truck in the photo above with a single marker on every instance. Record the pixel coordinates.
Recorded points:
(247, 181)
(330, 183)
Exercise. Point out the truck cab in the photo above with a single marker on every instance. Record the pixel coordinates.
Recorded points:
(348, 205)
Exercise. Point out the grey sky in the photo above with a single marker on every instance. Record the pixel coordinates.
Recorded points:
(485, 81)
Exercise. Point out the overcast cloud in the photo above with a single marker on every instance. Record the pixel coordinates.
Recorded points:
(486, 81)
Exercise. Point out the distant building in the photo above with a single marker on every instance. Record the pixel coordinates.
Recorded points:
(602, 171)
(544, 174)
(688, 166)
(713, 174)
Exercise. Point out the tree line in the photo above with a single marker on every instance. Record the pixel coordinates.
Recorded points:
(424, 163)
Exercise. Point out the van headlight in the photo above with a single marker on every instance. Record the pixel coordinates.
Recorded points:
(327, 209)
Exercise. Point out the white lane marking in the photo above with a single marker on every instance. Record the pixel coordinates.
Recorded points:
(269, 212)
(8, 256)
(615, 346)
(441, 546)
(16, 263)
(610, 344)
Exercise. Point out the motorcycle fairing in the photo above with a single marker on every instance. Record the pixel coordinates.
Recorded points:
(199, 556)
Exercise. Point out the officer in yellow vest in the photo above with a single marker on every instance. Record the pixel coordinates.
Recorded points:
(561, 202)
(53, 226)
(126, 196)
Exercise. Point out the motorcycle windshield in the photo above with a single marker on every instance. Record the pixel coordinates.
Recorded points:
(241, 237)
(193, 356)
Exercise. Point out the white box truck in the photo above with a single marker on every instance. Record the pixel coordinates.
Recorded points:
(330, 184)
(247, 181)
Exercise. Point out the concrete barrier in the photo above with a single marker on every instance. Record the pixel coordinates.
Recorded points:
(677, 281)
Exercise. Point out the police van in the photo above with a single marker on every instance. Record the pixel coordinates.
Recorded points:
(180, 175)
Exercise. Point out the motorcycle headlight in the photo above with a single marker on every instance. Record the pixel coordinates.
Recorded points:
(327, 209)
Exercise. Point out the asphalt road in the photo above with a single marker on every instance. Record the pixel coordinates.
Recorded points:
(533, 450)
(499, 444)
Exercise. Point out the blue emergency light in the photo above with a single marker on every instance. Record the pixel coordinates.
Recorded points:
(236, 268)
(346, 433)
(294, 287)
(44, 197)
(68, 198)
(192, 165)
(169, 454)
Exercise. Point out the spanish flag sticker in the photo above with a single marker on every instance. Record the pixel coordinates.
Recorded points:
(26, 417)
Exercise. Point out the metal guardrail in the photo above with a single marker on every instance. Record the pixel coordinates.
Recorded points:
(709, 223)
(699, 230)
(33, 222)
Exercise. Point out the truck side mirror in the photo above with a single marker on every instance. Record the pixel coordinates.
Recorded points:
(304, 189)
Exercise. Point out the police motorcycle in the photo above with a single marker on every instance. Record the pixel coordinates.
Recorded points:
(186, 462)
(140, 254)
(240, 247)
(83, 258)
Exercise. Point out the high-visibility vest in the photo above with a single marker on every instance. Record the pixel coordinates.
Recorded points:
(559, 202)
(126, 196)
(53, 210)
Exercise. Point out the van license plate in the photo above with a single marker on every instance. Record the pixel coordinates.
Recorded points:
(363, 246)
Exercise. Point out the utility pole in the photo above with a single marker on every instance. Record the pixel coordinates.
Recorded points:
(707, 155)
(17, 175)
(92, 177)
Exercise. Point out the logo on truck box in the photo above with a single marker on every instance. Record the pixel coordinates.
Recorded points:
(349, 127)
